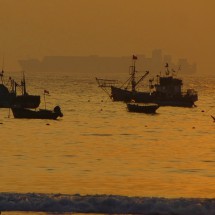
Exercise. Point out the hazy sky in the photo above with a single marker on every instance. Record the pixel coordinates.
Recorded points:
(36, 28)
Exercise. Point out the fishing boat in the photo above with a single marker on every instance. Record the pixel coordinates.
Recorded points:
(142, 107)
(10, 97)
(6, 96)
(27, 101)
(24, 100)
(25, 113)
(167, 91)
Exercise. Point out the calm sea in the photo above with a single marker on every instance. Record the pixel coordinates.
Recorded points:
(100, 148)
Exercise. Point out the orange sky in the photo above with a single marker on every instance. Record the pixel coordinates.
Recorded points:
(36, 28)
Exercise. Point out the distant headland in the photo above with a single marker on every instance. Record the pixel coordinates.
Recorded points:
(94, 64)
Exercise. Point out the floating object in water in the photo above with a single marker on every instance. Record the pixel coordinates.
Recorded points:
(142, 108)
(213, 118)
(34, 114)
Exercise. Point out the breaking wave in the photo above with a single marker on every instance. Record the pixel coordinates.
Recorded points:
(106, 204)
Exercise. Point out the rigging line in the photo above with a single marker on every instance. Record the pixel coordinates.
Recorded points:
(126, 82)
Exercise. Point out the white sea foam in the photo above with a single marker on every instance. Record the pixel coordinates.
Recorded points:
(108, 204)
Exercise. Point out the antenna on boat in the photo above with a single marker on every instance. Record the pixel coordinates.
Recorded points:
(167, 69)
(179, 69)
(1, 75)
(46, 92)
(2, 71)
(3, 64)
(23, 83)
(133, 82)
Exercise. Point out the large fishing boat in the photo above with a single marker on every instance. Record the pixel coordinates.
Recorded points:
(167, 91)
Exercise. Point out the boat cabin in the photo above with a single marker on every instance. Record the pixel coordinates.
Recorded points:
(169, 85)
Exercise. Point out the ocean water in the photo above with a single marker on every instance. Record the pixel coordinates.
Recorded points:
(107, 157)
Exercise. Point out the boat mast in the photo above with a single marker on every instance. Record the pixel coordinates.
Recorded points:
(2, 72)
(167, 69)
(133, 81)
(23, 85)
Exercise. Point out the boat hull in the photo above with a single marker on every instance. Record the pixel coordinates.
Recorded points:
(118, 94)
(142, 108)
(26, 101)
(6, 97)
(31, 114)
(10, 99)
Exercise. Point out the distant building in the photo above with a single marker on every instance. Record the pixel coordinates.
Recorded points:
(96, 65)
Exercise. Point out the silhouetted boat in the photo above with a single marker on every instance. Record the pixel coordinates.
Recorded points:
(167, 91)
(9, 96)
(36, 114)
(24, 100)
(142, 108)
(6, 97)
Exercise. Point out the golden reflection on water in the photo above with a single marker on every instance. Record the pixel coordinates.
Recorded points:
(100, 148)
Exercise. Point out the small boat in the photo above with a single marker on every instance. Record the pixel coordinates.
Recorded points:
(19, 112)
(142, 107)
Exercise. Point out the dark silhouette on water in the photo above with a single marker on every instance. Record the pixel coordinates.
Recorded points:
(9, 96)
(34, 114)
(6, 96)
(21, 112)
(167, 91)
(142, 108)
(25, 100)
